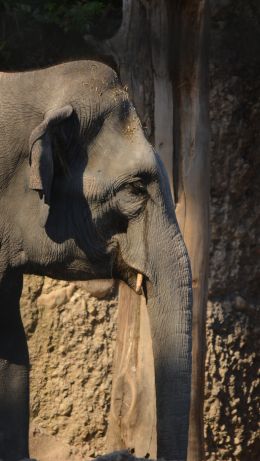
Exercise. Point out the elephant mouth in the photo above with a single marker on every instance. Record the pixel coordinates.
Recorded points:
(130, 275)
(141, 281)
(134, 279)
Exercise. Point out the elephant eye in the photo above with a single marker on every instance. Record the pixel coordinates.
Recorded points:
(139, 188)
(135, 186)
(131, 198)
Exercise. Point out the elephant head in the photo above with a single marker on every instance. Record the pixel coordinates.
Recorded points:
(103, 208)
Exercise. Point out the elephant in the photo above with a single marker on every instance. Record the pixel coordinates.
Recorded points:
(83, 195)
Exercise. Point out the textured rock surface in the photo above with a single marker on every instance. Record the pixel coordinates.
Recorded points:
(232, 385)
(71, 336)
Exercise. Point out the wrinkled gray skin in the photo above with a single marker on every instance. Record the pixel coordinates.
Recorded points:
(83, 195)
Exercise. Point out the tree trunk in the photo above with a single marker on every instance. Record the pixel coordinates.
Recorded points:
(191, 185)
(160, 53)
(133, 401)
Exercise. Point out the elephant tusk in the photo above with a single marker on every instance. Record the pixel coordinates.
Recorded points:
(139, 282)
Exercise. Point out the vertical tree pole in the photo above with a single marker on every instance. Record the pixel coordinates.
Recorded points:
(191, 184)
(179, 39)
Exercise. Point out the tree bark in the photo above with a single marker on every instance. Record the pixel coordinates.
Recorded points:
(160, 54)
(133, 401)
(191, 184)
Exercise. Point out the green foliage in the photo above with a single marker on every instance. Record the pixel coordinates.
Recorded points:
(69, 15)
(36, 33)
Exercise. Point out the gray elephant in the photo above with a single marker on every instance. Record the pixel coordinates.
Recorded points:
(83, 195)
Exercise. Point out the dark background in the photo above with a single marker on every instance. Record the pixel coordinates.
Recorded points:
(38, 33)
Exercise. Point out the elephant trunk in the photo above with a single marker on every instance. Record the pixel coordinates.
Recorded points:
(155, 248)
(169, 303)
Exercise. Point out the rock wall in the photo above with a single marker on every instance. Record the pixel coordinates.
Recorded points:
(71, 334)
(232, 385)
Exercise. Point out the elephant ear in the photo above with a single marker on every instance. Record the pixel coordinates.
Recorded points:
(41, 157)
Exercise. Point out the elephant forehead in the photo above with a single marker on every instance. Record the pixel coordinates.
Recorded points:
(121, 147)
(113, 167)
(122, 157)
